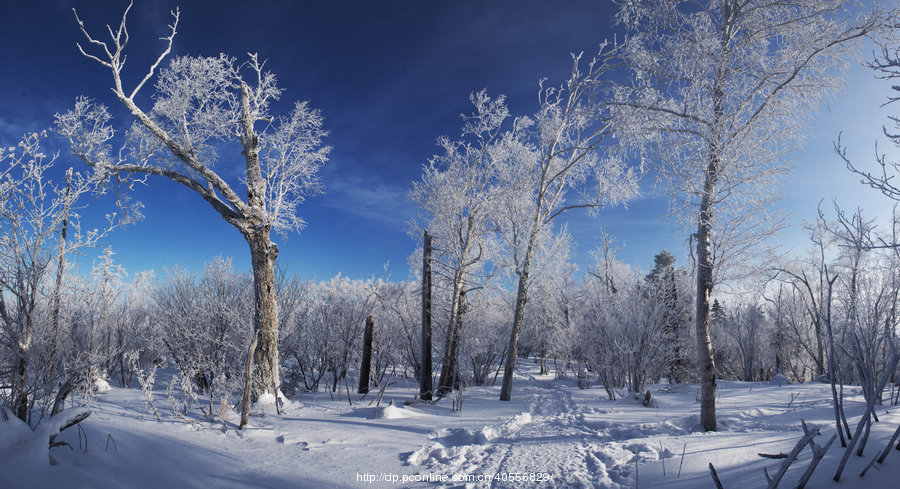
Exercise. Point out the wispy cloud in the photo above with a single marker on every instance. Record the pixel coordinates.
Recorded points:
(369, 197)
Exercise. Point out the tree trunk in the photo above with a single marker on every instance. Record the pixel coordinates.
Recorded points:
(60, 268)
(451, 344)
(705, 361)
(23, 348)
(365, 369)
(265, 321)
(21, 403)
(521, 299)
(248, 383)
(820, 350)
(425, 369)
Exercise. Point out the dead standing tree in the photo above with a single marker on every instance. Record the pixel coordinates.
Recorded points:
(199, 103)
(425, 368)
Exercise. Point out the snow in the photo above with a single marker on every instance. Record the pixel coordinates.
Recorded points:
(551, 434)
(101, 385)
(779, 380)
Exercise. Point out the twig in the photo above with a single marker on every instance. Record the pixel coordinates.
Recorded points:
(80, 432)
(807, 438)
(109, 438)
(773, 455)
(381, 391)
(662, 457)
(347, 385)
(637, 474)
(715, 476)
(682, 460)
(881, 456)
(61, 444)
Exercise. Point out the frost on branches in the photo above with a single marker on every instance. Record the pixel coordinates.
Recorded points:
(200, 103)
(719, 94)
(39, 226)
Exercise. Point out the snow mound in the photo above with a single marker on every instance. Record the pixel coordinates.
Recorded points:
(390, 411)
(628, 431)
(456, 437)
(13, 431)
(779, 380)
(267, 403)
(29, 450)
(101, 386)
(430, 452)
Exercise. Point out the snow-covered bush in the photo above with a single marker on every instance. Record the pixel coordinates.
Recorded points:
(205, 325)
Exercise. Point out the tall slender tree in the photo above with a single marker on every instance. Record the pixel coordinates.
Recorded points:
(719, 92)
(552, 164)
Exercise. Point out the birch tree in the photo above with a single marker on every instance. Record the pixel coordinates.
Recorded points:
(551, 164)
(201, 102)
(719, 94)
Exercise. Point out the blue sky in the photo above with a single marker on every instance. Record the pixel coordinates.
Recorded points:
(390, 77)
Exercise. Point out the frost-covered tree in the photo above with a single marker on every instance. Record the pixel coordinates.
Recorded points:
(548, 165)
(669, 286)
(34, 205)
(199, 103)
(886, 64)
(457, 195)
(719, 93)
(549, 327)
(329, 329)
(483, 348)
(746, 327)
(398, 315)
(622, 325)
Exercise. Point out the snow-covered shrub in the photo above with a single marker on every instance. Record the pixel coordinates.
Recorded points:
(326, 336)
(205, 325)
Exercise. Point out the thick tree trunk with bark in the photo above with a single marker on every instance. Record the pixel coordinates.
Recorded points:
(425, 370)
(263, 253)
(365, 368)
(706, 365)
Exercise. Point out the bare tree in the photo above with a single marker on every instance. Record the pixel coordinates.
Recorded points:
(720, 104)
(200, 102)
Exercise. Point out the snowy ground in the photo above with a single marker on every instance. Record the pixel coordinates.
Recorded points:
(552, 434)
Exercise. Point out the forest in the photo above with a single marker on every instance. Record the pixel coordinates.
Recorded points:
(708, 100)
